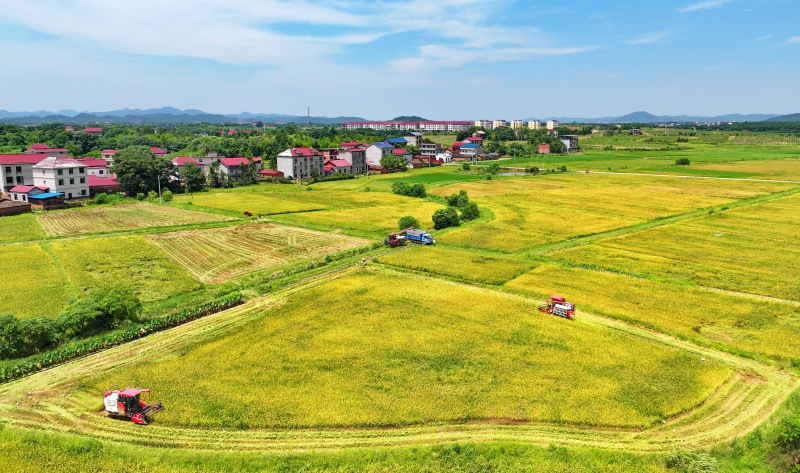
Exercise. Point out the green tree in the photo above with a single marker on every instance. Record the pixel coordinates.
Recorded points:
(10, 336)
(193, 176)
(470, 211)
(444, 218)
(406, 222)
(138, 169)
(249, 174)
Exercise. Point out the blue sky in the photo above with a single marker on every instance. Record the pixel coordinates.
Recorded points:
(441, 59)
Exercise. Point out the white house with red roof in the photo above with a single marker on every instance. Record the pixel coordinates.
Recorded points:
(301, 163)
(338, 166)
(22, 193)
(233, 166)
(402, 153)
(95, 167)
(357, 157)
(17, 169)
(41, 148)
(62, 175)
(350, 145)
(108, 155)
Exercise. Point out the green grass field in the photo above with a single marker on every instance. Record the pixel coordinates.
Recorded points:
(126, 260)
(376, 349)
(20, 228)
(32, 284)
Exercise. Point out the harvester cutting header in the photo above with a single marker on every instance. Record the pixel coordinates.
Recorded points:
(126, 404)
(559, 306)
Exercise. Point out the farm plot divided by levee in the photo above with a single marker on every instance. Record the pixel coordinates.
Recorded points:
(220, 254)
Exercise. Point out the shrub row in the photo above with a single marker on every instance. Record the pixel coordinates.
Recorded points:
(14, 370)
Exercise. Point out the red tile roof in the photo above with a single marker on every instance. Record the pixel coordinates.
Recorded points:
(20, 158)
(349, 144)
(93, 163)
(474, 138)
(26, 189)
(109, 151)
(339, 163)
(182, 160)
(92, 129)
(271, 172)
(400, 151)
(304, 152)
(238, 161)
(157, 150)
(39, 146)
(357, 150)
(96, 181)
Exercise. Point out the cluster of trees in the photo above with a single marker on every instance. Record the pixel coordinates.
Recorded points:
(105, 309)
(393, 162)
(414, 190)
(459, 209)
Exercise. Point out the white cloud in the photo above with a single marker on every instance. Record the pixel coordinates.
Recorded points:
(704, 5)
(649, 38)
(792, 40)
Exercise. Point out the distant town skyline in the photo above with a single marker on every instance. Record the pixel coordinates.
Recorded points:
(442, 60)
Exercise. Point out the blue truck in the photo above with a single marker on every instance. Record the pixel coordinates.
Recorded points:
(420, 236)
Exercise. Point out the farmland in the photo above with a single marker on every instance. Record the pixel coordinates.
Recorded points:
(119, 217)
(684, 338)
(214, 256)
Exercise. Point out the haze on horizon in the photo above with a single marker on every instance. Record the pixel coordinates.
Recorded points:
(450, 59)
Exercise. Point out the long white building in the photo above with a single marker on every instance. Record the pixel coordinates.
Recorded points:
(413, 126)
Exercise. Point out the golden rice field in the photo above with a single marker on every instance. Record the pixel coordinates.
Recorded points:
(20, 228)
(119, 217)
(127, 260)
(460, 264)
(31, 283)
(539, 210)
(264, 204)
(731, 321)
(382, 349)
(378, 218)
(778, 169)
(217, 255)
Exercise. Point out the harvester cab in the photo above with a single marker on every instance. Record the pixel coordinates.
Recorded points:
(127, 404)
(559, 306)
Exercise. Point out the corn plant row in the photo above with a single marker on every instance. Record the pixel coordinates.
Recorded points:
(84, 347)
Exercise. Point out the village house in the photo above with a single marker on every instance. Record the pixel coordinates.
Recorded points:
(544, 148)
(41, 148)
(270, 174)
(10, 207)
(233, 166)
(378, 150)
(108, 155)
(337, 166)
(571, 142)
(17, 169)
(396, 142)
(62, 175)
(472, 150)
(444, 157)
(300, 163)
(430, 149)
(356, 157)
(413, 138)
(100, 185)
(95, 167)
(23, 193)
(403, 153)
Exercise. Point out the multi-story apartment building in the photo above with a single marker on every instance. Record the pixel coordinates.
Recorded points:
(357, 157)
(17, 170)
(62, 174)
(552, 124)
(534, 125)
(301, 163)
(430, 149)
(485, 124)
(499, 124)
(517, 124)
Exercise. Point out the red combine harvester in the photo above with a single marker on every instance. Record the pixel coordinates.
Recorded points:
(126, 404)
(559, 306)
(395, 239)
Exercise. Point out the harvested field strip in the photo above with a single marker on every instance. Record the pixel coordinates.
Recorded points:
(218, 255)
(128, 260)
(32, 284)
(736, 323)
(460, 264)
(739, 406)
(375, 219)
(120, 217)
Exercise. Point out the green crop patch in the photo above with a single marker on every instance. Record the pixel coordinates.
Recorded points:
(20, 228)
(32, 284)
(120, 217)
(128, 260)
(461, 264)
(382, 349)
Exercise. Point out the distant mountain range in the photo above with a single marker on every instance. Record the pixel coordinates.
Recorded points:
(645, 117)
(175, 115)
(158, 115)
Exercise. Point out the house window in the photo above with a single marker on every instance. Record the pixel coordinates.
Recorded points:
(15, 196)
(72, 180)
(71, 170)
(60, 171)
(19, 168)
(9, 180)
(20, 180)
(83, 180)
(24, 198)
(70, 195)
(61, 182)
(80, 170)
(83, 191)
(100, 172)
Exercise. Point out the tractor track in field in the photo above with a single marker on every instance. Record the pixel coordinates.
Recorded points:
(49, 400)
